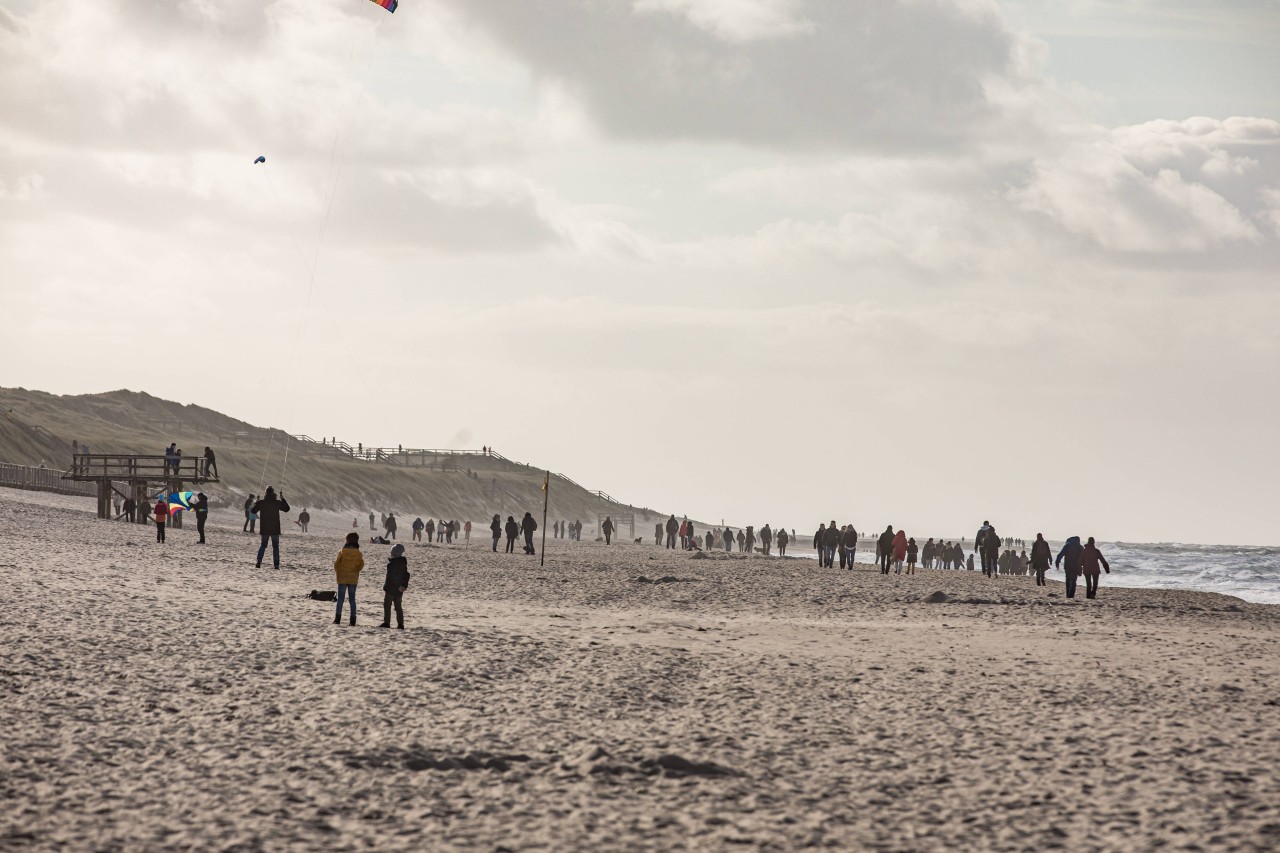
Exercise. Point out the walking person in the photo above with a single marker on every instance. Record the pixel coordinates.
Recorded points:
(389, 525)
(899, 551)
(268, 511)
(1090, 559)
(728, 540)
(1071, 553)
(884, 549)
(783, 539)
(466, 531)
(527, 526)
(371, 527)
(430, 528)
(513, 532)
(347, 567)
(202, 515)
(393, 588)
(766, 539)
(606, 529)
(1040, 557)
(495, 527)
(848, 547)
(830, 542)
(130, 510)
(162, 517)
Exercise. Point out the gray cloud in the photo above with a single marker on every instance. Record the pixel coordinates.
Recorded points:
(878, 75)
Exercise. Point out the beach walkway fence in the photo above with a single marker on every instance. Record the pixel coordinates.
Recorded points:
(41, 480)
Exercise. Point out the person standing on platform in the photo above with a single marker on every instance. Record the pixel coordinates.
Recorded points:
(268, 511)
(210, 463)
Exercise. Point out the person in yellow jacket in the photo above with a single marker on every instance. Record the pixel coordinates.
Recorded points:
(348, 565)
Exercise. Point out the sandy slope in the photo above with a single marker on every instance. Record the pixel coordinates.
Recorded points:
(179, 698)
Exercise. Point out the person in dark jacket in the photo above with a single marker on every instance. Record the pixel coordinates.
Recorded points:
(673, 527)
(268, 511)
(783, 539)
(304, 519)
(728, 540)
(1040, 557)
(1090, 559)
(131, 510)
(689, 534)
(394, 586)
(830, 542)
(527, 526)
(913, 551)
(766, 539)
(513, 532)
(848, 547)
(210, 463)
(884, 549)
(389, 525)
(1071, 552)
(249, 519)
(657, 534)
(606, 529)
(201, 507)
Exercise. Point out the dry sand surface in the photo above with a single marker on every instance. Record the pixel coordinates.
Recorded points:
(620, 698)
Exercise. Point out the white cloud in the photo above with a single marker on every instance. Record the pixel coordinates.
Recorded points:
(737, 20)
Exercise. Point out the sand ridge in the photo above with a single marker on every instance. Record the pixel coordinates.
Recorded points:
(179, 698)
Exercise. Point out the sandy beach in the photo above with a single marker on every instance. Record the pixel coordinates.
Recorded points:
(622, 697)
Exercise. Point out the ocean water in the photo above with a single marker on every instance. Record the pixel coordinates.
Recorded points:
(1250, 573)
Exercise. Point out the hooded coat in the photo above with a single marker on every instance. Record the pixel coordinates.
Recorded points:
(900, 545)
(1071, 552)
(349, 564)
(397, 574)
(1040, 555)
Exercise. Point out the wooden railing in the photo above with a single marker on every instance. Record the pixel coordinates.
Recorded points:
(132, 468)
(41, 480)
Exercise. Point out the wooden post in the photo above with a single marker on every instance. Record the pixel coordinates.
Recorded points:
(104, 498)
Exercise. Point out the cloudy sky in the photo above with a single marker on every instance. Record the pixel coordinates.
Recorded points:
(919, 262)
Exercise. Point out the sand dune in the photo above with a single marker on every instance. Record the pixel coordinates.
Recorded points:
(620, 698)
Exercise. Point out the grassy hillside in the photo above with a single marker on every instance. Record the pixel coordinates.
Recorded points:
(40, 427)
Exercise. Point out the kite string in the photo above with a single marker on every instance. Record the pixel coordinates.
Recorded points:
(343, 129)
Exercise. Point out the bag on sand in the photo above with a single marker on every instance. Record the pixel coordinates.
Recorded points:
(324, 595)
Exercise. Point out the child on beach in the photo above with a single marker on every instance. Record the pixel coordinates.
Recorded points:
(394, 586)
(162, 517)
(347, 566)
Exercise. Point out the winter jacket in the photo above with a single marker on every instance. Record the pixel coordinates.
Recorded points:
(831, 537)
(766, 535)
(496, 527)
(201, 506)
(1071, 552)
(513, 530)
(348, 565)
(900, 546)
(884, 544)
(783, 538)
(819, 536)
(607, 527)
(397, 574)
(268, 511)
(991, 542)
(528, 525)
(1089, 560)
(1040, 555)
(849, 539)
(161, 512)
(672, 525)
(913, 551)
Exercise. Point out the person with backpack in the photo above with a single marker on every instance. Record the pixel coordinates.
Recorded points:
(527, 526)
(347, 567)
(1090, 559)
(268, 510)
(1071, 553)
(393, 587)
(513, 532)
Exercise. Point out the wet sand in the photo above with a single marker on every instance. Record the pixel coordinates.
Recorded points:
(622, 697)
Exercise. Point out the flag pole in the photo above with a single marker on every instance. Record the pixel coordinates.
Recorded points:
(546, 499)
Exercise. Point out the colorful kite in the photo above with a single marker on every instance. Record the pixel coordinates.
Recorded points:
(389, 5)
(179, 501)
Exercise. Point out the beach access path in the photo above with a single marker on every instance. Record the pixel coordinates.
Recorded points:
(621, 698)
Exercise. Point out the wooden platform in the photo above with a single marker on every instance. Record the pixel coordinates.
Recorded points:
(142, 474)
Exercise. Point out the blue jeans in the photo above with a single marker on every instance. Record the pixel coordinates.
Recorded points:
(829, 554)
(348, 590)
(275, 548)
(1071, 584)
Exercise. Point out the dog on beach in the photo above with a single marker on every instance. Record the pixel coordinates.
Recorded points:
(639, 539)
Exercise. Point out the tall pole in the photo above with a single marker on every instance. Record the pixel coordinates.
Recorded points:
(546, 499)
